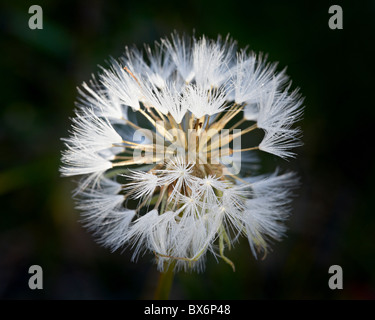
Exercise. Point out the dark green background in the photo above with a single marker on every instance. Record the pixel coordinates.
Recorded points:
(333, 217)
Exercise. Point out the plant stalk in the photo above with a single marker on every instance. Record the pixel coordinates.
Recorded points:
(165, 283)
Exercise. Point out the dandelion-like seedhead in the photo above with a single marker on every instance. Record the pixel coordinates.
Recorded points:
(159, 137)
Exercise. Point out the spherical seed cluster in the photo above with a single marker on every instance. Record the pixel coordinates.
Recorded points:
(157, 141)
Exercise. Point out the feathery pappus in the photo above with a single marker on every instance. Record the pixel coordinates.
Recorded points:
(158, 140)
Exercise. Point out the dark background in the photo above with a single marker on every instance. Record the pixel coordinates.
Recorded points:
(333, 218)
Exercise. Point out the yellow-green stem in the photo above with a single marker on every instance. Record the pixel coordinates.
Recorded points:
(165, 283)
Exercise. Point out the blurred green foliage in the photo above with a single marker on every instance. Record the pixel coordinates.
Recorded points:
(333, 217)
